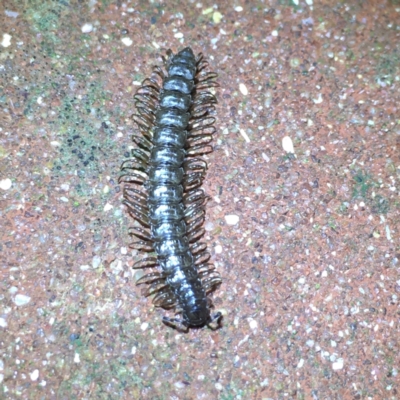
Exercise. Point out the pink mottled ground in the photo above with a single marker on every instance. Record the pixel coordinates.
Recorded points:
(311, 269)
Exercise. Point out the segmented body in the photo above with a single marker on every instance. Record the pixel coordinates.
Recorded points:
(176, 128)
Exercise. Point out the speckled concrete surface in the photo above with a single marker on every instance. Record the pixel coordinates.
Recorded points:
(311, 267)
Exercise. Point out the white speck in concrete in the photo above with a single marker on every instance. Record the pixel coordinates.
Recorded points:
(108, 207)
(287, 144)
(144, 326)
(244, 134)
(178, 35)
(218, 249)
(319, 99)
(96, 261)
(3, 323)
(252, 323)
(231, 219)
(338, 364)
(5, 184)
(243, 89)
(127, 41)
(265, 157)
(265, 382)
(274, 33)
(12, 14)
(87, 28)
(301, 363)
(21, 300)
(388, 235)
(34, 375)
(238, 8)
(6, 41)
(77, 358)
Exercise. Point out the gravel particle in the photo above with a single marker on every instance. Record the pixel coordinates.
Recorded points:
(245, 136)
(144, 326)
(319, 99)
(5, 184)
(337, 365)
(217, 17)
(86, 28)
(12, 14)
(252, 323)
(96, 262)
(108, 207)
(6, 41)
(127, 41)
(287, 144)
(231, 219)
(34, 375)
(243, 89)
(21, 299)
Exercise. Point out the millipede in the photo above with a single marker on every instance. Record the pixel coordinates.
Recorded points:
(162, 188)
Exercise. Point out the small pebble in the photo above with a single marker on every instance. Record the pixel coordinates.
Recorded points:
(144, 326)
(21, 299)
(12, 14)
(6, 41)
(243, 89)
(337, 365)
(319, 99)
(231, 219)
(127, 41)
(179, 385)
(244, 134)
(217, 17)
(287, 144)
(108, 207)
(3, 323)
(5, 184)
(86, 28)
(34, 375)
(96, 261)
(253, 323)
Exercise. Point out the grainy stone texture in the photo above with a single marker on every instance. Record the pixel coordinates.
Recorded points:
(310, 265)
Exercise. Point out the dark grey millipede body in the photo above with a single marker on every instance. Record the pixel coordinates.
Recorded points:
(163, 187)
